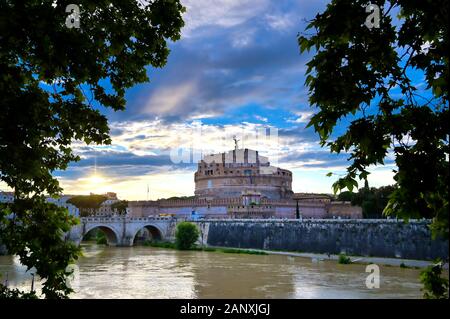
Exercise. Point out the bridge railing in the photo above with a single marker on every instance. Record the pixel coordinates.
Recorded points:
(124, 219)
(313, 220)
(248, 220)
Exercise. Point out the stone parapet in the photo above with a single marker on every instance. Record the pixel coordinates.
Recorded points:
(363, 237)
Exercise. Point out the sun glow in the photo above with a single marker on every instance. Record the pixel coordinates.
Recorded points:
(95, 179)
(95, 183)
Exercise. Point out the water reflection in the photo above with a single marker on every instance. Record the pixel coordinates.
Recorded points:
(145, 272)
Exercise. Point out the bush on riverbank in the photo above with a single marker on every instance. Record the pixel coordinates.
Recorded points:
(343, 259)
(435, 284)
(186, 235)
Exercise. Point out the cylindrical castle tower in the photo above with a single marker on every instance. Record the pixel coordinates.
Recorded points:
(230, 174)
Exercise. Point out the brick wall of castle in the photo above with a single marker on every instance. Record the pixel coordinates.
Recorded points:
(217, 208)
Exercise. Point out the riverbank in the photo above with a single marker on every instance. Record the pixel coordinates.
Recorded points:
(315, 257)
(227, 250)
(406, 263)
(398, 262)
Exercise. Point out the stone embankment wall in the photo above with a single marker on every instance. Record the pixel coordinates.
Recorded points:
(381, 238)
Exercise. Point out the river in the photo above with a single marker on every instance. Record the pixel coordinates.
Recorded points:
(146, 272)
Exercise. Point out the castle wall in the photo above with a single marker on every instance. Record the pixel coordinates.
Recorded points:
(222, 185)
(284, 211)
(344, 210)
(228, 174)
(217, 208)
(143, 208)
(313, 211)
(202, 210)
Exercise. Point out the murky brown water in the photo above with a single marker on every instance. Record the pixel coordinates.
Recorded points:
(145, 272)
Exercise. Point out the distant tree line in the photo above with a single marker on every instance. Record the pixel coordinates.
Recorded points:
(180, 197)
(372, 200)
(88, 204)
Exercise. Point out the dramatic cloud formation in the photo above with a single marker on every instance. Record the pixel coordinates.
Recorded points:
(236, 71)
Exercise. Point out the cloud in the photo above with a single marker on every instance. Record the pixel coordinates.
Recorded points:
(281, 22)
(170, 99)
(243, 38)
(312, 156)
(261, 118)
(303, 117)
(145, 149)
(219, 13)
(132, 187)
(237, 70)
(231, 54)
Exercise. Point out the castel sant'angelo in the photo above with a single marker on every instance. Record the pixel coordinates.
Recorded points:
(231, 174)
(242, 184)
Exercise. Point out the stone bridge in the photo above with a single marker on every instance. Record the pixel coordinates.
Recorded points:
(123, 231)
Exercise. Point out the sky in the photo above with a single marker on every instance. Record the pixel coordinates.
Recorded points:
(236, 71)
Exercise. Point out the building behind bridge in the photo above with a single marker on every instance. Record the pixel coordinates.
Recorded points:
(8, 197)
(243, 184)
(235, 184)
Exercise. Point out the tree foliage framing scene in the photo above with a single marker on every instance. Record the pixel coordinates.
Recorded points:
(54, 82)
(363, 76)
(136, 123)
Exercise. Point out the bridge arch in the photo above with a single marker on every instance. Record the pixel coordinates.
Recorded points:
(112, 236)
(152, 231)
